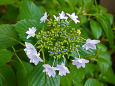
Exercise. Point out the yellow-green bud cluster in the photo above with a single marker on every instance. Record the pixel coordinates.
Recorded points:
(59, 38)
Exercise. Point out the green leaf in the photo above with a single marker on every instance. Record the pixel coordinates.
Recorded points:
(5, 2)
(110, 18)
(22, 72)
(66, 80)
(109, 76)
(106, 27)
(28, 10)
(8, 36)
(5, 56)
(96, 29)
(7, 76)
(39, 78)
(23, 25)
(77, 74)
(93, 82)
(101, 47)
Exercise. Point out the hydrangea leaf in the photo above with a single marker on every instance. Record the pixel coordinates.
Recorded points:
(7, 76)
(8, 36)
(39, 78)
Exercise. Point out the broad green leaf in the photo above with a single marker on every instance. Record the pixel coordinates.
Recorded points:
(66, 80)
(109, 76)
(39, 78)
(96, 29)
(93, 82)
(8, 36)
(22, 72)
(77, 74)
(104, 61)
(5, 2)
(110, 18)
(106, 27)
(83, 19)
(5, 56)
(23, 25)
(7, 76)
(101, 47)
(28, 10)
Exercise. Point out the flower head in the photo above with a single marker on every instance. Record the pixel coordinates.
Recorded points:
(31, 32)
(32, 54)
(79, 62)
(50, 71)
(62, 69)
(90, 44)
(73, 17)
(62, 15)
(44, 18)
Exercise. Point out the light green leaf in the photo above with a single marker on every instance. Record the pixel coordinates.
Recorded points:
(66, 80)
(5, 56)
(23, 25)
(96, 29)
(22, 72)
(5, 2)
(110, 18)
(28, 10)
(39, 78)
(7, 76)
(93, 82)
(8, 36)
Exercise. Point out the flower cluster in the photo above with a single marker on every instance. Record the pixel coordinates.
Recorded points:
(58, 39)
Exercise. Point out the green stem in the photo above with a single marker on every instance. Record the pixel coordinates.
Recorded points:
(18, 57)
(43, 55)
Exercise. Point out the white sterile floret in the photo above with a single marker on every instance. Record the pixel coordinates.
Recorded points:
(50, 71)
(79, 62)
(44, 18)
(31, 32)
(90, 44)
(57, 18)
(62, 15)
(73, 17)
(62, 69)
(32, 54)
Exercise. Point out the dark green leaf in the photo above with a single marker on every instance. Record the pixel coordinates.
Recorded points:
(5, 56)
(7, 76)
(96, 29)
(39, 78)
(106, 27)
(8, 36)
(22, 72)
(93, 82)
(110, 18)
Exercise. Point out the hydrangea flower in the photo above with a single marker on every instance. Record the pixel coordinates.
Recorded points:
(31, 32)
(79, 62)
(32, 54)
(90, 44)
(44, 18)
(62, 69)
(50, 71)
(57, 18)
(73, 17)
(62, 15)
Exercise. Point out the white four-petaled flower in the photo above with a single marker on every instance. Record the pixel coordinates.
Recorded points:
(73, 17)
(79, 62)
(62, 15)
(50, 71)
(32, 54)
(57, 18)
(62, 69)
(44, 18)
(90, 44)
(31, 32)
